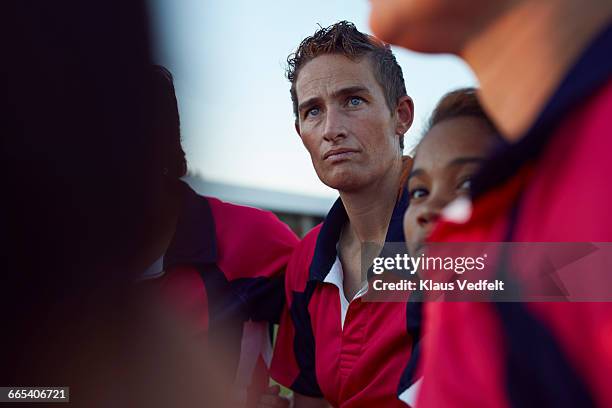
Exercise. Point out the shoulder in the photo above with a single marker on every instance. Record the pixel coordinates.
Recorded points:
(572, 176)
(251, 218)
(250, 242)
(247, 222)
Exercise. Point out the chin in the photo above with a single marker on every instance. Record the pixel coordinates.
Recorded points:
(342, 181)
(385, 25)
(430, 40)
(421, 26)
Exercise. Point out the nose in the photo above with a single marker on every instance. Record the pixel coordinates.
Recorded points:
(334, 128)
(431, 211)
(428, 218)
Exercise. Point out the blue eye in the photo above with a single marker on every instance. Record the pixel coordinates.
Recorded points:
(313, 112)
(355, 101)
(418, 193)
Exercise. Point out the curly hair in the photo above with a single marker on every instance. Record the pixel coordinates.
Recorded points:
(343, 38)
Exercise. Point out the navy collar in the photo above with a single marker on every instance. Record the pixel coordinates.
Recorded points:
(194, 241)
(589, 73)
(325, 250)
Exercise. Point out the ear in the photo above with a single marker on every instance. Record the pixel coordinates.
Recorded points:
(404, 112)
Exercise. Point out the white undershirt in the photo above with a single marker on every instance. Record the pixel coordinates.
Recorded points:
(409, 396)
(336, 278)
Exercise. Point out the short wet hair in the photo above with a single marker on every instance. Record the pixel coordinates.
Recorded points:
(343, 38)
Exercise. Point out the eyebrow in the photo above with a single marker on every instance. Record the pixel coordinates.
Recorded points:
(415, 172)
(358, 89)
(350, 90)
(465, 160)
(456, 162)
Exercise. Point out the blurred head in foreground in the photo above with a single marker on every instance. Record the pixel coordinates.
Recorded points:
(433, 25)
(519, 50)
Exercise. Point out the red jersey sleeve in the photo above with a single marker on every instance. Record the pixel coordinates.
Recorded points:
(253, 249)
(293, 362)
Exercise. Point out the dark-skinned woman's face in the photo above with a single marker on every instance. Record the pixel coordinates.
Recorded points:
(445, 162)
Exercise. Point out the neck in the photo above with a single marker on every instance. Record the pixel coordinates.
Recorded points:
(518, 78)
(369, 210)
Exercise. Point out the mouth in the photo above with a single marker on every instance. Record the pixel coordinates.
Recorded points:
(337, 155)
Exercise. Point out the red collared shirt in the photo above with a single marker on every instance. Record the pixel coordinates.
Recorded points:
(224, 272)
(355, 361)
(535, 354)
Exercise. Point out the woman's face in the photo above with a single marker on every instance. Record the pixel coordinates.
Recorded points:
(445, 162)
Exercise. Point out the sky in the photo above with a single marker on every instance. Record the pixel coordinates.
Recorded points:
(228, 59)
